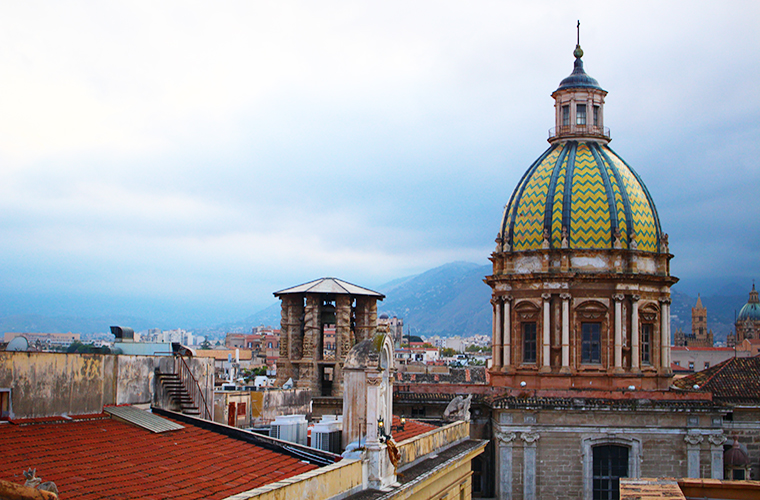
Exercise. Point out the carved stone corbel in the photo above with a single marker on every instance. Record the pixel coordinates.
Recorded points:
(530, 437)
(505, 437)
(717, 439)
(693, 439)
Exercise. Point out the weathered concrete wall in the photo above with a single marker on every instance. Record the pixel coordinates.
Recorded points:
(267, 405)
(49, 384)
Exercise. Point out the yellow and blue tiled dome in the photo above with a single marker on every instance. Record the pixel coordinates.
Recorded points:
(583, 192)
(751, 310)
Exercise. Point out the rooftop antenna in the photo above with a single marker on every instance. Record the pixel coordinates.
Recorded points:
(578, 42)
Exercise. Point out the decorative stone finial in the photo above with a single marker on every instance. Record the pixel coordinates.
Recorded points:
(578, 52)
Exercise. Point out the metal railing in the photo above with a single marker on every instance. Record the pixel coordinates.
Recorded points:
(191, 385)
(579, 130)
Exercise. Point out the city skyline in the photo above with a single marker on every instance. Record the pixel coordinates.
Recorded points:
(188, 161)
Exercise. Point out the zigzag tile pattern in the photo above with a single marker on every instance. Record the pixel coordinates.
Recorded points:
(590, 225)
(643, 217)
(528, 229)
(559, 193)
(619, 206)
(590, 215)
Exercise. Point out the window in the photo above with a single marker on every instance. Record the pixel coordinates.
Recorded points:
(566, 115)
(529, 342)
(677, 363)
(596, 115)
(580, 114)
(691, 365)
(591, 349)
(646, 343)
(707, 365)
(5, 404)
(610, 464)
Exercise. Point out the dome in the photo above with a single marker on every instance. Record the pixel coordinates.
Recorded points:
(751, 310)
(578, 78)
(584, 191)
(735, 456)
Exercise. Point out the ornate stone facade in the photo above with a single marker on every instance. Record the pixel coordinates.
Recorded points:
(581, 271)
(307, 311)
(581, 324)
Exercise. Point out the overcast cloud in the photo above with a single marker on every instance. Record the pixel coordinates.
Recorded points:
(185, 160)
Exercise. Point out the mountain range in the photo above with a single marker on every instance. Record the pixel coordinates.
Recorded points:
(451, 299)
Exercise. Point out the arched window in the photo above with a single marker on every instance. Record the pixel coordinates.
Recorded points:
(605, 460)
(609, 465)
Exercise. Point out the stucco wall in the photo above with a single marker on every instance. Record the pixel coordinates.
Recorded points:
(49, 384)
(424, 444)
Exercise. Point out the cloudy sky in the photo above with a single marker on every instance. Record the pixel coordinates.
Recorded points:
(185, 160)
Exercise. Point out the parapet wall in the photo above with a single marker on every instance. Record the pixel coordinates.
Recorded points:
(414, 448)
(51, 384)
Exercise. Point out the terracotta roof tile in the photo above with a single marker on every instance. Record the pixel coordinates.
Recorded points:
(105, 458)
(412, 428)
(736, 380)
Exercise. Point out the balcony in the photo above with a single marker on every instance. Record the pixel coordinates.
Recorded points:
(569, 131)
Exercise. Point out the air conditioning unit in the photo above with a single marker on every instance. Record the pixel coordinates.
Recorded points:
(290, 428)
(326, 435)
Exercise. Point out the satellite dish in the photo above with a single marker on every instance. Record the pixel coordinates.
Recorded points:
(18, 344)
(288, 384)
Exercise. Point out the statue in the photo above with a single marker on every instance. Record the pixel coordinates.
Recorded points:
(458, 409)
(564, 237)
(32, 481)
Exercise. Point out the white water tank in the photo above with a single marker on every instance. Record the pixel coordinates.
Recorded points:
(292, 428)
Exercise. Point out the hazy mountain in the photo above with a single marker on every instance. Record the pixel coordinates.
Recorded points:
(447, 300)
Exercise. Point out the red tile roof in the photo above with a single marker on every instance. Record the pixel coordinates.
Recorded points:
(412, 428)
(736, 380)
(105, 458)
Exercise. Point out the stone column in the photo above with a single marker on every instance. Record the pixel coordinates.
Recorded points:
(716, 454)
(635, 334)
(496, 331)
(507, 331)
(618, 332)
(342, 340)
(665, 334)
(692, 454)
(546, 338)
(529, 465)
(565, 332)
(504, 484)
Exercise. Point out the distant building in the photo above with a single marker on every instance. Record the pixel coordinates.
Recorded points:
(697, 359)
(395, 327)
(748, 321)
(700, 335)
(45, 340)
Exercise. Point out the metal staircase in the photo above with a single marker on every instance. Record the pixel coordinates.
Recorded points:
(182, 388)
